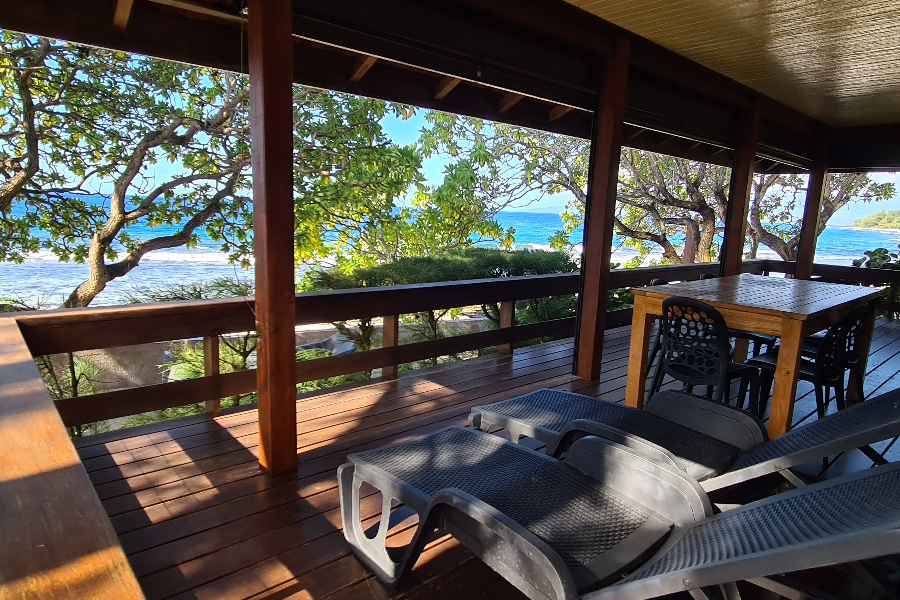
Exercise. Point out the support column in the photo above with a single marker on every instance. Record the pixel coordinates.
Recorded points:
(390, 337)
(809, 229)
(211, 369)
(271, 123)
(507, 319)
(732, 254)
(599, 217)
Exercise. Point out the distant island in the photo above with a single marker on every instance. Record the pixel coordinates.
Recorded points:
(883, 219)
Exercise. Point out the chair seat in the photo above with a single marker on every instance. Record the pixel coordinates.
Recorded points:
(769, 361)
(736, 370)
(762, 338)
(577, 516)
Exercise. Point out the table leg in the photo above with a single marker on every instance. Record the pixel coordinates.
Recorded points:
(863, 342)
(641, 323)
(785, 385)
(741, 349)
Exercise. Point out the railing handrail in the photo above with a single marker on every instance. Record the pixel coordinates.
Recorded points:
(72, 330)
(53, 523)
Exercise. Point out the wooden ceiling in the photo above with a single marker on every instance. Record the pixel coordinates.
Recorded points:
(835, 60)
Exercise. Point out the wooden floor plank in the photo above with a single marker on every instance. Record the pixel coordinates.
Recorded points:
(199, 520)
(174, 458)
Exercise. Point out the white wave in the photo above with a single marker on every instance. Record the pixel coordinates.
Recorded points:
(206, 257)
(202, 256)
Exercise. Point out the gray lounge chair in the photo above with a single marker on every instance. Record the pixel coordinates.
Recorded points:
(716, 444)
(554, 528)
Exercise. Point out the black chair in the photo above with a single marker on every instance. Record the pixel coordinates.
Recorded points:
(761, 342)
(695, 350)
(824, 362)
(657, 335)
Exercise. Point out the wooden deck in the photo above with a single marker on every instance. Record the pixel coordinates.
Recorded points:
(198, 520)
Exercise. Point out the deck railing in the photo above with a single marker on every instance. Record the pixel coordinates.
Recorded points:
(74, 330)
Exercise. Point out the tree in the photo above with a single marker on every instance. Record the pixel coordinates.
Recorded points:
(659, 196)
(661, 199)
(166, 146)
(883, 219)
(776, 199)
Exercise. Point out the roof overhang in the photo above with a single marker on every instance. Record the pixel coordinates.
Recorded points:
(535, 63)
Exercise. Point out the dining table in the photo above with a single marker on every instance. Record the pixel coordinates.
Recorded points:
(791, 309)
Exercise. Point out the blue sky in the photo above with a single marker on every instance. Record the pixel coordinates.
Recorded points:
(406, 132)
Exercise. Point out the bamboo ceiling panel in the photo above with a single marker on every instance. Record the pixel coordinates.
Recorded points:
(835, 60)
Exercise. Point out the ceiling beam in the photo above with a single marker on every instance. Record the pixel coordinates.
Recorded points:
(445, 86)
(508, 101)
(203, 9)
(361, 66)
(558, 112)
(123, 13)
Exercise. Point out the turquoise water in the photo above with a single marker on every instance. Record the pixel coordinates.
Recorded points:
(836, 245)
(43, 278)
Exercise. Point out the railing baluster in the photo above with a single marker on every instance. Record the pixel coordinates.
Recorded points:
(390, 336)
(507, 319)
(211, 367)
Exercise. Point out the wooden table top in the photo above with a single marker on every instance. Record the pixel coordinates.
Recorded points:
(793, 298)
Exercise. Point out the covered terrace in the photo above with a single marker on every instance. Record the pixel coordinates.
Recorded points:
(242, 503)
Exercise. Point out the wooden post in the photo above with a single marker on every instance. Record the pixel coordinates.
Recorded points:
(271, 125)
(732, 254)
(507, 319)
(809, 229)
(606, 148)
(390, 336)
(211, 367)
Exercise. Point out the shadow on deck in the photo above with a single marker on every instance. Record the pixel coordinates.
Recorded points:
(199, 520)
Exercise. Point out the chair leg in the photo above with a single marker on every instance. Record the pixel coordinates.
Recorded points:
(765, 392)
(753, 403)
(839, 395)
(858, 376)
(657, 381)
(656, 344)
(820, 401)
(742, 392)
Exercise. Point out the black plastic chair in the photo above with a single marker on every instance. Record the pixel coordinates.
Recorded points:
(762, 342)
(823, 363)
(695, 350)
(657, 336)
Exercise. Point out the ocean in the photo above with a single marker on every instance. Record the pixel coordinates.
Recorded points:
(42, 278)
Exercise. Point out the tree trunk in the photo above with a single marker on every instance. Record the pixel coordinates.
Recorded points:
(707, 238)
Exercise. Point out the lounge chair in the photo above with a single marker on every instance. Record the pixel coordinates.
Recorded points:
(716, 444)
(556, 528)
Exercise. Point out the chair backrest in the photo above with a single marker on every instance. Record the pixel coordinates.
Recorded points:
(840, 346)
(867, 422)
(708, 276)
(846, 519)
(853, 325)
(695, 346)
